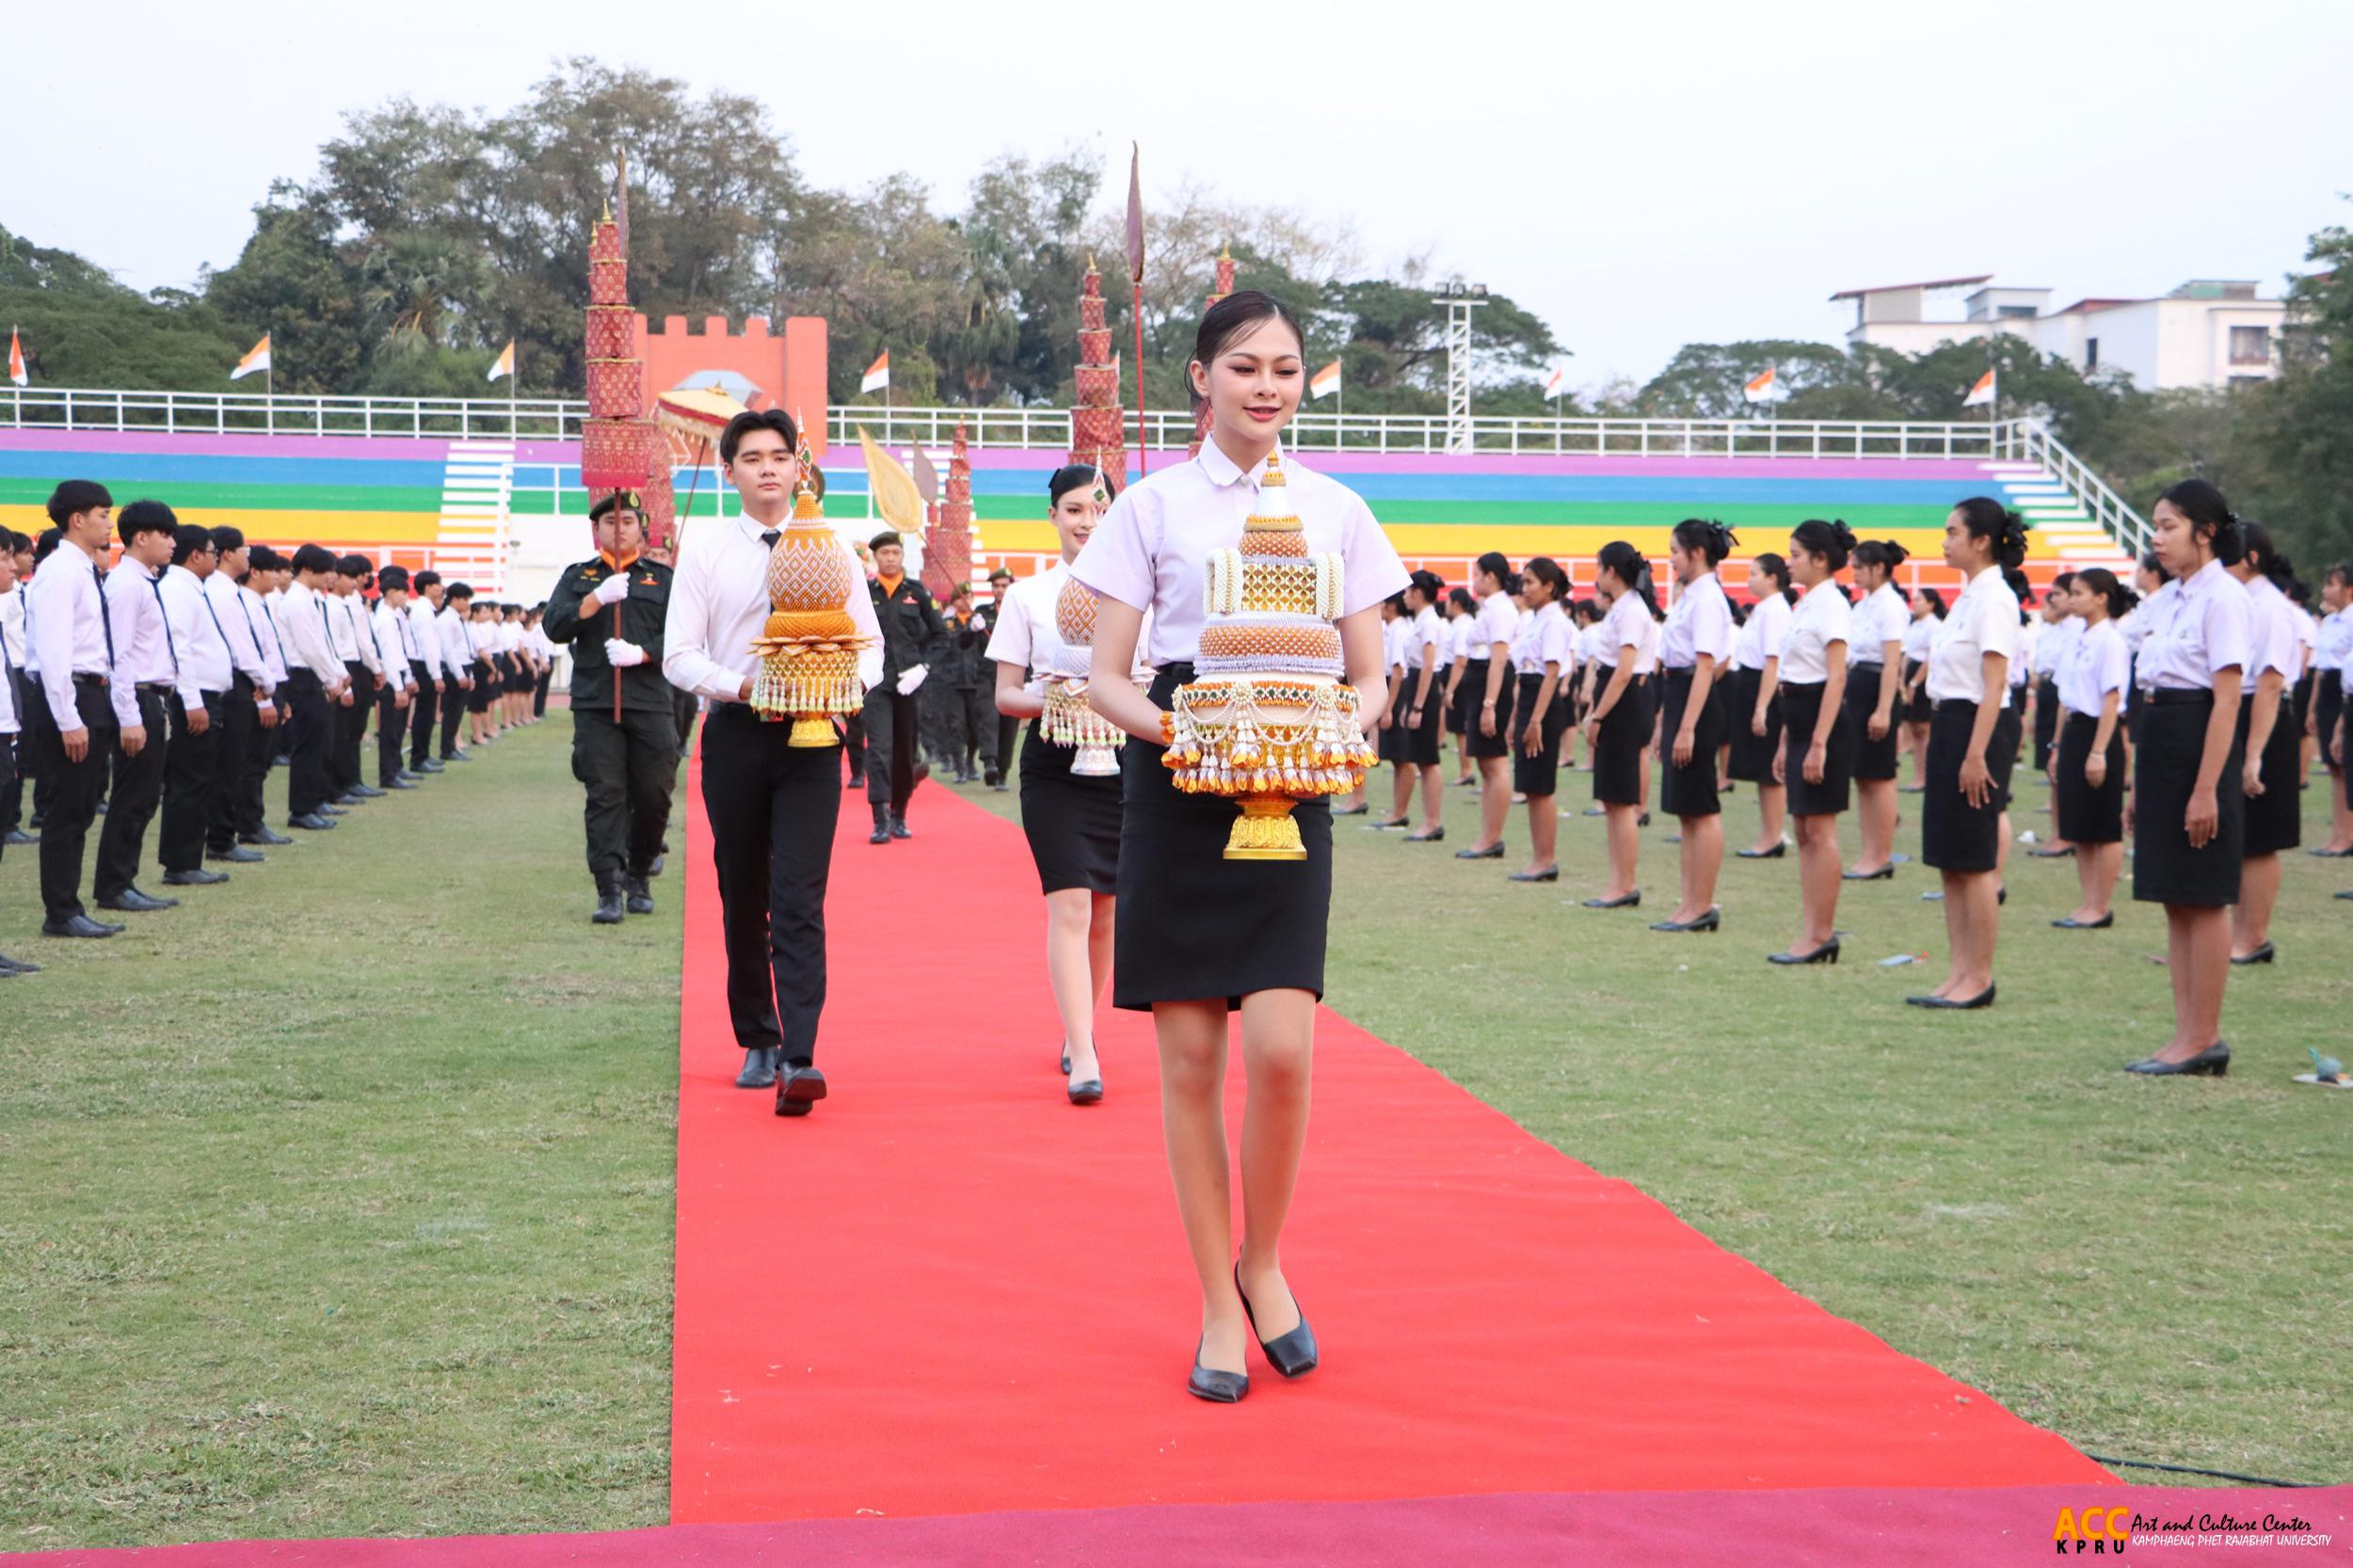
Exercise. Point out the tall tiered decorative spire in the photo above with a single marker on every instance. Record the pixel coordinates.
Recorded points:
(1224, 286)
(951, 541)
(619, 448)
(1099, 426)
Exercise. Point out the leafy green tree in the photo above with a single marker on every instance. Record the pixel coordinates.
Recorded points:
(2303, 422)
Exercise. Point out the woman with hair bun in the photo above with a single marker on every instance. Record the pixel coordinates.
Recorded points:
(1544, 659)
(1818, 757)
(1872, 687)
(2087, 766)
(1619, 727)
(2273, 743)
(1694, 647)
(1420, 708)
(1971, 751)
(1927, 608)
(1487, 700)
(1461, 613)
(2187, 813)
(1756, 717)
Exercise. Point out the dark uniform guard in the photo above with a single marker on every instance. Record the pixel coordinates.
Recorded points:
(913, 637)
(967, 698)
(997, 765)
(610, 609)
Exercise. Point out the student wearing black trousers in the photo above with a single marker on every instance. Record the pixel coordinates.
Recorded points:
(249, 710)
(317, 686)
(70, 729)
(996, 767)
(198, 708)
(458, 663)
(913, 638)
(146, 665)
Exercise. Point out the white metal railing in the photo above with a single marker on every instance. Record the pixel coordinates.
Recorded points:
(288, 414)
(2030, 440)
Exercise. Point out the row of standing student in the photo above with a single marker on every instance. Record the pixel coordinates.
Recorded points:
(166, 686)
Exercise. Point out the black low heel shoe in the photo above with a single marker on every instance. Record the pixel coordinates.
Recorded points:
(1826, 953)
(2072, 923)
(1773, 854)
(1712, 921)
(1949, 1004)
(2262, 955)
(1624, 900)
(1885, 873)
(2215, 1059)
(1294, 1354)
(1217, 1387)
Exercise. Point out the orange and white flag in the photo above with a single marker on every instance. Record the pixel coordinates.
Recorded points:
(16, 361)
(1325, 381)
(1981, 393)
(1763, 389)
(256, 359)
(877, 375)
(506, 363)
(1558, 384)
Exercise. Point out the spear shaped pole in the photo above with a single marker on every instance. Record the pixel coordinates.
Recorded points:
(1135, 277)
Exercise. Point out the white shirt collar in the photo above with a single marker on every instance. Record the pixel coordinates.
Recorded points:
(1222, 471)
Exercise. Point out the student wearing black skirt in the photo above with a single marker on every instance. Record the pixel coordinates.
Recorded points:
(1818, 756)
(1971, 750)
(1695, 647)
(1072, 821)
(1927, 608)
(1584, 615)
(1619, 727)
(1880, 617)
(2187, 813)
(2087, 770)
(1462, 614)
(2273, 768)
(1201, 935)
(1420, 713)
(1487, 694)
(2332, 646)
(1756, 718)
(1545, 654)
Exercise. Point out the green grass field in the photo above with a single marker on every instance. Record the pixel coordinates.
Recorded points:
(338, 1202)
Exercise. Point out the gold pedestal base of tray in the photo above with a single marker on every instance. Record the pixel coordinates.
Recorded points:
(1266, 830)
(810, 731)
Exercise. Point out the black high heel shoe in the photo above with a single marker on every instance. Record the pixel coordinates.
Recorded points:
(2262, 955)
(1826, 953)
(1208, 1382)
(2215, 1059)
(1713, 919)
(1294, 1354)
(1624, 900)
(1885, 873)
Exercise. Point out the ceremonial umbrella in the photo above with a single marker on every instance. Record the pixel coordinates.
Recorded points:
(698, 414)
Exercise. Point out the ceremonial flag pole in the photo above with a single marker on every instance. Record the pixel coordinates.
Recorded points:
(1135, 275)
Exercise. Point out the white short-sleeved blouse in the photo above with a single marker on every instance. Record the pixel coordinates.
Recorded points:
(1983, 620)
(1823, 617)
(1699, 621)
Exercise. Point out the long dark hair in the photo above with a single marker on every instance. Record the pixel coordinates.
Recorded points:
(2266, 555)
(1497, 565)
(1545, 570)
(1429, 585)
(1936, 602)
(1775, 567)
(1880, 554)
(1833, 540)
(2211, 516)
(2103, 581)
(1987, 518)
(1626, 562)
(1711, 538)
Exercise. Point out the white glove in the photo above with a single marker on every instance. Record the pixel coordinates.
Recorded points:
(621, 655)
(612, 589)
(911, 678)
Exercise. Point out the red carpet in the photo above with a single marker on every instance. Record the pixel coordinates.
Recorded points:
(950, 1292)
(1836, 1528)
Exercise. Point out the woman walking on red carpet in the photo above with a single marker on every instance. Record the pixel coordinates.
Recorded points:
(1072, 821)
(1200, 936)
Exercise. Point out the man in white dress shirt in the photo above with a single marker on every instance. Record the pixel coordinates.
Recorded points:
(457, 659)
(19, 549)
(71, 731)
(316, 685)
(148, 672)
(388, 624)
(773, 807)
(9, 726)
(197, 704)
(250, 712)
(433, 680)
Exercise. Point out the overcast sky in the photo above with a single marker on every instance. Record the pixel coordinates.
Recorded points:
(1643, 175)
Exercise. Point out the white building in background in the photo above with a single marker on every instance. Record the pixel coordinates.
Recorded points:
(2209, 332)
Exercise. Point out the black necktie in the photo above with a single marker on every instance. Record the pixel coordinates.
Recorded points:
(105, 620)
(769, 539)
(156, 583)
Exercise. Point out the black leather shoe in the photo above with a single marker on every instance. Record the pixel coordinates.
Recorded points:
(2215, 1059)
(1713, 919)
(1773, 854)
(1826, 953)
(431, 765)
(759, 1068)
(1642, 820)
(1350, 810)
(798, 1090)
(1947, 1005)
(2060, 853)
(2068, 922)
(331, 809)
(899, 829)
(367, 791)
(1087, 1091)
(655, 869)
(396, 783)
(1213, 1385)
(1550, 874)
(16, 965)
(1066, 1062)
(609, 908)
(265, 837)
(1624, 900)
(1492, 851)
(17, 836)
(311, 822)
(1885, 873)
(236, 855)
(460, 755)
(2348, 893)
(640, 897)
(1429, 838)
(1381, 824)
(132, 902)
(194, 877)
(2262, 955)
(79, 925)
(1294, 1354)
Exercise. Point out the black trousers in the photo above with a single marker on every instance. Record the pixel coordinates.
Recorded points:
(773, 808)
(892, 724)
(12, 788)
(72, 788)
(191, 776)
(969, 712)
(392, 729)
(628, 770)
(240, 738)
(425, 705)
(1001, 761)
(351, 727)
(138, 788)
(540, 694)
(310, 724)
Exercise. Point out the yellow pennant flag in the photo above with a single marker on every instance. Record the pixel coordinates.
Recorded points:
(896, 498)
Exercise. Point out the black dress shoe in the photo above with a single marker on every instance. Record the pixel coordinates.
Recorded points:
(132, 902)
(311, 822)
(1381, 824)
(655, 869)
(16, 965)
(1429, 838)
(1551, 873)
(1624, 900)
(1885, 873)
(1947, 1005)
(798, 1090)
(2324, 852)
(263, 837)
(1087, 1091)
(431, 765)
(366, 792)
(610, 908)
(196, 876)
(2068, 922)
(396, 783)
(1642, 820)
(79, 926)
(2215, 1059)
(1709, 922)
(1213, 1385)
(2348, 893)
(1492, 851)
(1773, 854)
(1826, 953)
(236, 855)
(2262, 955)
(639, 897)
(899, 827)
(1066, 1062)
(881, 834)
(460, 755)
(1350, 810)
(1294, 1354)
(759, 1068)
(330, 809)
(2060, 853)
(17, 836)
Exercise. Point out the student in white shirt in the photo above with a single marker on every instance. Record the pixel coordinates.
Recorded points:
(1419, 711)
(151, 686)
(457, 666)
(198, 711)
(2087, 766)
(2056, 627)
(1625, 709)
(1578, 680)
(8, 723)
(1695, 652)
(1487, 697)
(1461, 613)
(389, 624)
(2188, 808)
(1927, 608)
(71, 731)
(317, 684)
(19, 549)
(2274, 745)
(250, 712)
(2332, 648)
(430, 677)
(1756, 707)
(1973, 743)
(1543, 663)
(1817, 762)
(1881, 617)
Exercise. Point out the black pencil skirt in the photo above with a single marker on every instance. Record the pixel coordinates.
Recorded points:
(2328, 710)
(1072, 822)
(2087, 813)
(2275, 819)
(2166, 751)
(1392, 744)
(1193, 925)
(1425, 741)
(1455, 724)
(1955, 836)
(1689, 791)
(1538, 776)
(2046, 721)
(1873, 759)
(1799, 717)
(1475, 738)
(2304, 686)
(1618, 743)
(1916, 708)
(1751, 753)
